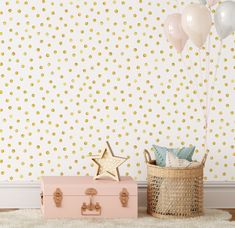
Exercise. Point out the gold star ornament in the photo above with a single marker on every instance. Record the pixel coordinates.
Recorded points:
(108, 164)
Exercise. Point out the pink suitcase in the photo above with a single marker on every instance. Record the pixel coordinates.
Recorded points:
(82, 197)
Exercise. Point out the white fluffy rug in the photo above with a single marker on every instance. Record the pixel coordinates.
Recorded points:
(32, 218)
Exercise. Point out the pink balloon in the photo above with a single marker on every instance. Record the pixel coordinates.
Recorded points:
(174, 31)
(211, 2)
(196, 22)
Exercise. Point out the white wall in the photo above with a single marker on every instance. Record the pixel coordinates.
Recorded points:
(74, 74)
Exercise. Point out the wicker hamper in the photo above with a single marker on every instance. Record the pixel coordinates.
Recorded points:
(174, 192)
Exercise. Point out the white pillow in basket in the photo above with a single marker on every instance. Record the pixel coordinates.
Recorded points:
(173, 161)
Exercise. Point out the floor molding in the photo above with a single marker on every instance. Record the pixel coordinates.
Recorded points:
(26, 194)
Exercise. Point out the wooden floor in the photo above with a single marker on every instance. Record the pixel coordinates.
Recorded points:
(231, 211)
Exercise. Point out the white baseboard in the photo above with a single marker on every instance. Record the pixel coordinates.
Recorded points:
(26, 194)
(19, 194)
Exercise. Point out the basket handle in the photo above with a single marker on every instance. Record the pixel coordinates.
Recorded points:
(147, 156)
(205, 158)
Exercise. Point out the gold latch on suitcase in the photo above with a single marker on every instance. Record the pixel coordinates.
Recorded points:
(124, 197)
(58, 196)
(89, 209)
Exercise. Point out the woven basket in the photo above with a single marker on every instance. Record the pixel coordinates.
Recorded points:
(174, 192)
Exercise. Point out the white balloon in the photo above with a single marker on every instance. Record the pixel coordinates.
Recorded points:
(196, 22)
(225, 19)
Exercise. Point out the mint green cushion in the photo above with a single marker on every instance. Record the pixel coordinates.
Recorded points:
(182, 153)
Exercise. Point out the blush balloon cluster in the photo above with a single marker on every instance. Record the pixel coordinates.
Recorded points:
(195, 23)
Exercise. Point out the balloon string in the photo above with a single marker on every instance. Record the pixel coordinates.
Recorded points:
(200, 74)
(194, 87)
(194, 73)
(200, 62)
(209, 101)
(179, 8)
(191, 66)
(218, 60)
(215, 77)
(208, 74)
(207, 80)
(207, 95)
(208, 68)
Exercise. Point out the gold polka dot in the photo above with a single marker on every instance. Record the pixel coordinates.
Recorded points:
(74, 74)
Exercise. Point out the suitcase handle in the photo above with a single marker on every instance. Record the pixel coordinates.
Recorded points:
(91, 209)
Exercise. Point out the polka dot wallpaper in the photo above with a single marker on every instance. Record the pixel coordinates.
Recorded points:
(74, 74)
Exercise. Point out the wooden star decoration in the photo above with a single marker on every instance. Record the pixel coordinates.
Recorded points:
(108, 164)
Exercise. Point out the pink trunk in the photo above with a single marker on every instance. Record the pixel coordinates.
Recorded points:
(82, 197)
